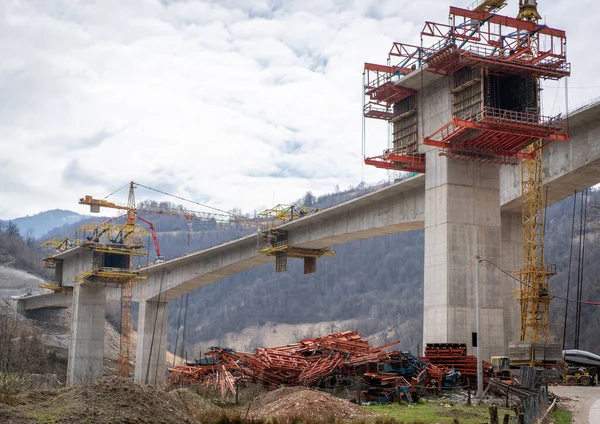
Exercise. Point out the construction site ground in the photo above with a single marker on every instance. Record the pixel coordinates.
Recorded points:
(583, 401)
(113, 399)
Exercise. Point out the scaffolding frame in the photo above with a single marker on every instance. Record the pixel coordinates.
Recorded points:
(382, 91)
(499, 43)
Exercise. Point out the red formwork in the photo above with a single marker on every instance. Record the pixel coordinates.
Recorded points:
(495, 135)
(381, 90)
(398, 162)
(499, 43)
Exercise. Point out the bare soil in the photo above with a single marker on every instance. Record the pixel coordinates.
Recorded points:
(108, 400)
(308, 404)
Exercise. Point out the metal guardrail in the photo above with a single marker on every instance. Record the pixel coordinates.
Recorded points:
(515, 117)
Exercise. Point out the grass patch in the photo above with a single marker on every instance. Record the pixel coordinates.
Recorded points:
(561, 416)
(48, 416)
(435, 412)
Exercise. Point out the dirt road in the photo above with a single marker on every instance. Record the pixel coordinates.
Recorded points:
(585, 402)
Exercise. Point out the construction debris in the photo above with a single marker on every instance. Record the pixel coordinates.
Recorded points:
(337, 359)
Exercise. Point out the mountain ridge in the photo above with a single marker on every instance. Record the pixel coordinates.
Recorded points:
(42, 222)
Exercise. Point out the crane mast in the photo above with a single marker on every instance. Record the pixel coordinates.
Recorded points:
(534, 275)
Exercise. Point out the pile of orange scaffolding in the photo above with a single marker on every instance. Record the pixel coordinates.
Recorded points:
(311, 362)
(303, 363)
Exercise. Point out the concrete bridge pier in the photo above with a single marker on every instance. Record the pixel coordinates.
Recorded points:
(462, 219)
(151, 353)
(86, 347)
(511, 260)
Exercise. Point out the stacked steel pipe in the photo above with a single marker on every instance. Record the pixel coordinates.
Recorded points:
(454, 355)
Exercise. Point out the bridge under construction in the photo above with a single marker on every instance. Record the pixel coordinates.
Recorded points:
(465, 112)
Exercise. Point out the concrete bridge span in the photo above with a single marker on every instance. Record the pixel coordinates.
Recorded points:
(397, 208)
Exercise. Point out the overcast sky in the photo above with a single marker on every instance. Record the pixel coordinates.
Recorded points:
(230, 103)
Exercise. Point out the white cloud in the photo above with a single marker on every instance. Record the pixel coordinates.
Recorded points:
(226, 102)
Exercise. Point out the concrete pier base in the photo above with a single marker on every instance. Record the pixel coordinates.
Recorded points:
(462, 219)
(151, 353)
(86, 348)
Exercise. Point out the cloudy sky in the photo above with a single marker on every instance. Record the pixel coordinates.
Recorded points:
(230, 103)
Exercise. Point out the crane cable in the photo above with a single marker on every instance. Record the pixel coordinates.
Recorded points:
(583, 302)
(184, 199)
(172, 195)
(119, 189)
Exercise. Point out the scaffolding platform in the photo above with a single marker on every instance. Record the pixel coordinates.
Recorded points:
(398, 162)
(111, 275)
(495, 135)
(501, 44)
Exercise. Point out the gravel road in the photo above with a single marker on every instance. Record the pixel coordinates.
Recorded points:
(584, 402)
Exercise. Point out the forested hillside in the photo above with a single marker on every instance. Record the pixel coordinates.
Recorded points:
(559, 226)
(19, 251)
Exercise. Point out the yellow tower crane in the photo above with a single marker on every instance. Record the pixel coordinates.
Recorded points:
(534, 295)
(126, 287)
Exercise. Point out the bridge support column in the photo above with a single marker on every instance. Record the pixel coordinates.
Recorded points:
(511, 261)
(151, 353)
(18, 305)
(462, 219)
(86, 348)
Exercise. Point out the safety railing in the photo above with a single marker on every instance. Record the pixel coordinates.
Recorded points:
(115, 270)
(542, 60)
(374, 110)
(527, 118)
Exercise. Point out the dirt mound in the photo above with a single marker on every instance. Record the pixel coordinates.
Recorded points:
(274, 396)
(308, 404)
(191, 402)
(111, 399)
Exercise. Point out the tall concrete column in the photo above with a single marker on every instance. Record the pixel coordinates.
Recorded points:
(86, 348)
(511, 261)
(462, 219)
(151, 353)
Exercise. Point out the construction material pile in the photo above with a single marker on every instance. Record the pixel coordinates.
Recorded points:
(303, 363)
(345, 359)
(454, 355)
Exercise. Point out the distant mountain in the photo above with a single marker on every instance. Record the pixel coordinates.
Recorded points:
(43, 222)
